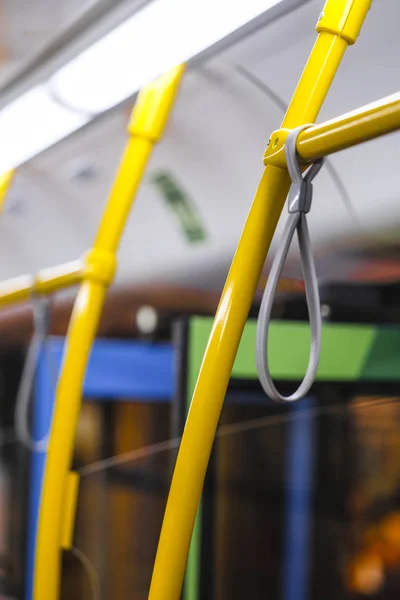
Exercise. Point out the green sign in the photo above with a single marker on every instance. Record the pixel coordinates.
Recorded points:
(184, 209)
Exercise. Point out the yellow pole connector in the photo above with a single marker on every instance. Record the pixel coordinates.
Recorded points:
(344, 18)
(149, 118)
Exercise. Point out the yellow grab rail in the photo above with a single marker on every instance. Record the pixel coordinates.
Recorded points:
(148, 121)
(353, 128)
(45, 282)
(338, 26)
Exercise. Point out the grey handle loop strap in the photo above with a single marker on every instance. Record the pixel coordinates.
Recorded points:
(299, 204)
(41, 319)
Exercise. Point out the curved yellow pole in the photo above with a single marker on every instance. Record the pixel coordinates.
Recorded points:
(341, 20)
(149, 118)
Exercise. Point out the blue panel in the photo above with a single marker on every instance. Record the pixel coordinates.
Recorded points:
(127, 369)
(116, 370)
(299, 481)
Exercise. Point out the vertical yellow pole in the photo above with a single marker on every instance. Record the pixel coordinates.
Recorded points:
(149, 118)
(5, 183)
(338, 26)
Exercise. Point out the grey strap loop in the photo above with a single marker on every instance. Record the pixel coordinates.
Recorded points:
(41, 321)
(299, 203)
(291, 158)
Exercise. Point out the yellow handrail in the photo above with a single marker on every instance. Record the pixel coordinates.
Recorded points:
(44, 282)
(148, 121)
(339, 26)
(361, 125)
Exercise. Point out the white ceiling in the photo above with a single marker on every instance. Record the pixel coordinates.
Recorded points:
(28, 25)
(213, 148)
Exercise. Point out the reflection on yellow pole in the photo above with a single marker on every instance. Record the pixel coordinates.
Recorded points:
(338, 26)
(5, 182)
(149, 118)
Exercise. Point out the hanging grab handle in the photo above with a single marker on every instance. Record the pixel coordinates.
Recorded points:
(41, 320)
(299, 204)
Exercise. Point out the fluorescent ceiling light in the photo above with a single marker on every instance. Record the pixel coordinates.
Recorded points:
(31, 124)
(162, 35)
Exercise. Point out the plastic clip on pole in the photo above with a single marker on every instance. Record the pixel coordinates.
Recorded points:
(299, 204)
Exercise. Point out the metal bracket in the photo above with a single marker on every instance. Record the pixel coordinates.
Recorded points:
(343, 18)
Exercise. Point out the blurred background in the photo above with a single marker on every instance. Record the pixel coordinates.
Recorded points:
(298, 504)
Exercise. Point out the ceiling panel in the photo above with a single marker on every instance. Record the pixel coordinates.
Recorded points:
(213, 150)
(27, 26)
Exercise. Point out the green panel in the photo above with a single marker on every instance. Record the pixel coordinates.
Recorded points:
(344, 352)
(383, 360)
(192, 575)
(195, 355)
